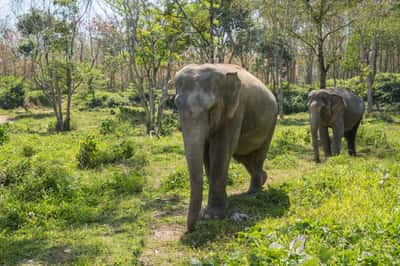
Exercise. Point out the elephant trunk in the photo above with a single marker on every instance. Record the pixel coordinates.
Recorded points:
(194, 136)
(315, 124)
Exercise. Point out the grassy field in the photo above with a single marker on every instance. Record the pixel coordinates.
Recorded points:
(120, 197)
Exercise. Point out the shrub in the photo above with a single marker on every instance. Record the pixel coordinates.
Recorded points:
(123, 151)
(46, 179)
(130, 114)
(106, 126)
(38, 98)
(28, 151)
(95, 102)
(169, 124)
(88, 155)
(295, 100)
(12, 92)
(15, 171)
(3, 134)
(129, 183)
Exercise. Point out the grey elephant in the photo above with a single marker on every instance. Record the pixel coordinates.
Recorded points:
(340, 110)
(224, 111)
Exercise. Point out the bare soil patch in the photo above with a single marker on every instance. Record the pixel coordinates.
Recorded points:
(5, 119)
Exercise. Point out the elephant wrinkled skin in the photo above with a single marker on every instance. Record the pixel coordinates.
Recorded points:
(224, 111)
(338, 109)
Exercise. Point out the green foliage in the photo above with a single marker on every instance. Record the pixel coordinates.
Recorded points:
(373, 136)
(37, 98)
(88, 155)
(386, 89)
(45, 179)
(129, 183)
(169, 124)
(107, 126)
(14, 171)
(179, 180)
(28, 151)
(12, 92)
(295, 100)
(132, 115)
(3, 134)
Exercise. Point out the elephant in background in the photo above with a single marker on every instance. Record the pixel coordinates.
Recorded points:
(338, 109)
(224, 111)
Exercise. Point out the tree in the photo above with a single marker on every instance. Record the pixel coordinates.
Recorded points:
(153, 37)
(322, 22)
(54, 33)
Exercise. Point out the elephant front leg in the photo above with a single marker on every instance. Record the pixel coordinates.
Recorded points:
(338, 131)
(219, 156)
(325, 141)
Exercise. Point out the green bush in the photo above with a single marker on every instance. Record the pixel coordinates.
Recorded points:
(96, 102)
(295, 99)
(123, 151)
(169, 124)
(106, 126)
(46, 179)
(12, 92)
(28, 151)
(129, 183)
(14, 171)
(3, 134)
(37, 98)
(88, 155)
(131, 114)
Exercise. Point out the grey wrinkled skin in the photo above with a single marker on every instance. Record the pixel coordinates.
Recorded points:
(340, 110)
(224, 111)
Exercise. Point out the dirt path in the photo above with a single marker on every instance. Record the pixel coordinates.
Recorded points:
(5, 119)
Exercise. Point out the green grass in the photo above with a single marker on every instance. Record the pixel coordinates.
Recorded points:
(133, 210)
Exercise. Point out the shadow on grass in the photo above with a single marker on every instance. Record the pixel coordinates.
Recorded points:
(34, 115)
(37, 251)
(273, 203)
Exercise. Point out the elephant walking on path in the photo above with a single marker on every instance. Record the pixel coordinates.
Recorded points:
(224, 111)
(340, 110)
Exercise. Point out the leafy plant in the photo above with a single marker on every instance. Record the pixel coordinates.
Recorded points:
(88, 155)
(106, 126)
(3, 134)
(12, 92)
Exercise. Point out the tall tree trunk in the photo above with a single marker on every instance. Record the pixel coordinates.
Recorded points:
(212, 31)
(372, 72)
(322, 68)
(309, 68)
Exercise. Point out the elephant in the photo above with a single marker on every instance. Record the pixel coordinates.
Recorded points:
(340, 110)
(224, 112)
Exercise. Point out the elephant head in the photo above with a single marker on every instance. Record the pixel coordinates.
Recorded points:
(205, 98)
(324, 107)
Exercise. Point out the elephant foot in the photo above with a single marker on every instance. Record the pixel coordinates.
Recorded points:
(214, 213)
(257, 183)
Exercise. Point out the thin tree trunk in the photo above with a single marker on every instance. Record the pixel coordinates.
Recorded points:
(372, 72)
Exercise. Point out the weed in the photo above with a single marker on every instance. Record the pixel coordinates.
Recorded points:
(88, 155)
(3, 134)
(106, 126)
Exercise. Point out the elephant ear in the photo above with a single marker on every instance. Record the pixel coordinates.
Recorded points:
(233, 92)
(337, 104)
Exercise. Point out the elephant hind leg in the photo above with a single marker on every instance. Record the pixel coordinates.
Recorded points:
(254, 165)
(351, 139)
